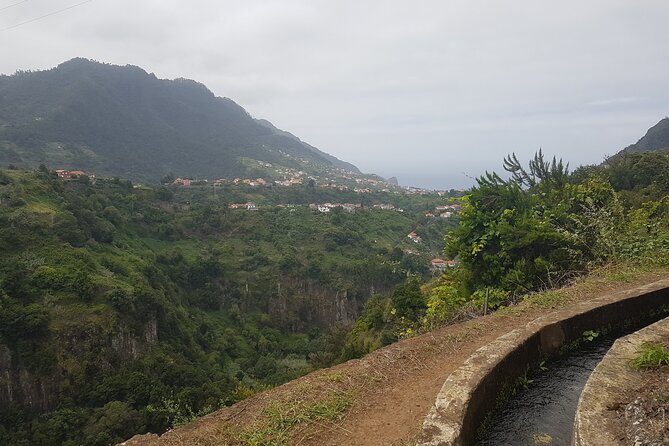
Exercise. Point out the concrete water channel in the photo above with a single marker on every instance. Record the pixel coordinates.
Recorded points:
(477, 404)
(542, 411)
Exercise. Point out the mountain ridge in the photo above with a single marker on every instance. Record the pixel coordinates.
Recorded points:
(655, 139)
(122, 121)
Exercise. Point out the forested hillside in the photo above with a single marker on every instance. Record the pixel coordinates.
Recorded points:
(130, 309)
(535, 231)
(122, 121)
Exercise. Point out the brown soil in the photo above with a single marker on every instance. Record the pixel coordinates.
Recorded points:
(643, 418)
(382, 398)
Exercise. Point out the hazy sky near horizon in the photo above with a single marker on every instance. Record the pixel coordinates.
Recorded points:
(433, 92)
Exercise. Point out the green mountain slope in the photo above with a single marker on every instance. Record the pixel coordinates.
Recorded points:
(122, 121)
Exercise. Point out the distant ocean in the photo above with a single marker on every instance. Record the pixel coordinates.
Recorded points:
(438, 181)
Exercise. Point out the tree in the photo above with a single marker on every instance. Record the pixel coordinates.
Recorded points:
(168, 178)
(408, 300)
(540, 172)
(527, 232)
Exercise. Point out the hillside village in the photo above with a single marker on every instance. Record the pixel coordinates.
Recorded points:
(72, 174)
(333, 178)
(295, 178)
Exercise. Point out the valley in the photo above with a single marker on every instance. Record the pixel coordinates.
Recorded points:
(166, 256)
(151, 305)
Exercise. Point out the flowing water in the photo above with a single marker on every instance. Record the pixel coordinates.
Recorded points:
(543, 413)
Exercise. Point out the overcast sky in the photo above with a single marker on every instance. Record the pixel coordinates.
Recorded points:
(433, 92)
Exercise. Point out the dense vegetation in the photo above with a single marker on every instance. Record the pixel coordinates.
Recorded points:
(123, 121)
(126, 310)
(536, 230)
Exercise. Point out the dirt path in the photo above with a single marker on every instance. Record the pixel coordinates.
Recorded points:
(414, 370)
(379, 400)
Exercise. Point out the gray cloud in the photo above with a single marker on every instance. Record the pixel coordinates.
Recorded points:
(422, 91)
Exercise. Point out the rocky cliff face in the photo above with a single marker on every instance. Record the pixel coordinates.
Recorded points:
(40, 391)
(131, 346)
(21, 387)
(304, 304)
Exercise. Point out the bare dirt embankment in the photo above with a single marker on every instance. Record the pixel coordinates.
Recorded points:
(381, 399)
(642, 413)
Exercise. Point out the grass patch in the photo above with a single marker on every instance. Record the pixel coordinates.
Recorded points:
(589, 285)
(652, 355)
(280, 418)
(548, 300)
(42, 207)
(622, 276)
(621, 272)
(334, 377)
(545, 300)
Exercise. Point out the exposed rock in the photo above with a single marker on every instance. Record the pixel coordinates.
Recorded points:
(129, 345)
(20, 386)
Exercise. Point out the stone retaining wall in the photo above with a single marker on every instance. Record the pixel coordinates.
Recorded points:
(472, 391)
